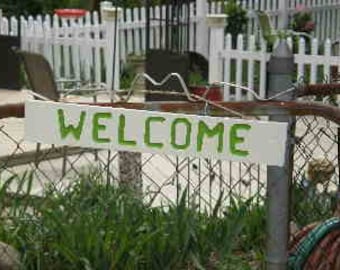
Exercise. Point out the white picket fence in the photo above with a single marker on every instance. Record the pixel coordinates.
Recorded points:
(325, 13)
(246, 64)
(85, 48)
(79, 49)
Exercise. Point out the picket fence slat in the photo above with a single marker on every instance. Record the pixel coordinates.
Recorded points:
(239, 67)
(251, 64)
(226, 64)
(314, 65)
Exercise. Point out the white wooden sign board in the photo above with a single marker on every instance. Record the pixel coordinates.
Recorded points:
(155, 132)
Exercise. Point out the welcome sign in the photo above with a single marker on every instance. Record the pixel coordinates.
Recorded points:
(155, 132)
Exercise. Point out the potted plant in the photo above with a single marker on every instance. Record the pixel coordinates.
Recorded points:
(302, 22)
(200, 87)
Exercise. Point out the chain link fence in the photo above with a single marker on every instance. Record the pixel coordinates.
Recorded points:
(316, 161)
(315, 187)
(164, 179)
(167, 176)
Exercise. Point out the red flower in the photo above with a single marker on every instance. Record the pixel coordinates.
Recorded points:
(300, 8)
(309, 26)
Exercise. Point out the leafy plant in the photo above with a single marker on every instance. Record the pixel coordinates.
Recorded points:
(92, 226)
(302, 20)
(127, 75)
(196, 79)
(310, 205)
(34, 7)
(237, 20)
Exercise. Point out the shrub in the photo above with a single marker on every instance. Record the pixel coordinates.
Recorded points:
(94, 226)
(302, 20)
(237, 20)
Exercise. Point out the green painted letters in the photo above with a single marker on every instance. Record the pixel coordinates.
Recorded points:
(121, 133)
(204, 130)
(96, 127)
(147, 137)
(235, 139)
(187, 124)
(70, 129)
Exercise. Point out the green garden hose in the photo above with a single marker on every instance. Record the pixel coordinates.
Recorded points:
(304, 248)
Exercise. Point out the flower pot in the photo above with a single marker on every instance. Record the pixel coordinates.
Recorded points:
(212, 93)
(70, 13)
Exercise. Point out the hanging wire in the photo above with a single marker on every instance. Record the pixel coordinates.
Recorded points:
(255, 95)
(156, 83)
(192, 97)
(189, 95)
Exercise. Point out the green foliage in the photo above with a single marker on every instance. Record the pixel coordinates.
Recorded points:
(310, 205)
(94, 226)
(302, 20)
(268, 33)
(196, 79)
(237, 19)
(127, 75)
(136, 3)
(34, 7)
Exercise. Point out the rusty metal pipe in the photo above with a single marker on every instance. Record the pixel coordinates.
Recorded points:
(319, 89)
(251, 108)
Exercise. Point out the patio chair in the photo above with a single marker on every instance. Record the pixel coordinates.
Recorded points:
(43, 83)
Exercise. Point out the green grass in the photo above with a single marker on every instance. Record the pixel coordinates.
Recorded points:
(90, 225)
(95, 226)
(309, 205)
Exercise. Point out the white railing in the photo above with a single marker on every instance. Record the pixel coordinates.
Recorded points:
(84, 49)
(246, 64)
(79, 49)
(74, 50)
(325, 13)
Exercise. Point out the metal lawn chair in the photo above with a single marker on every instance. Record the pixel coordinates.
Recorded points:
(44, 84)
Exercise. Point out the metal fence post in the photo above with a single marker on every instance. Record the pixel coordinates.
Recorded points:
(280, 74)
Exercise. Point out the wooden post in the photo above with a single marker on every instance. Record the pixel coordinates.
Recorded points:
(217, 23)
(130, 163)
(283, 15)
(202, 30)
(112, 43)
